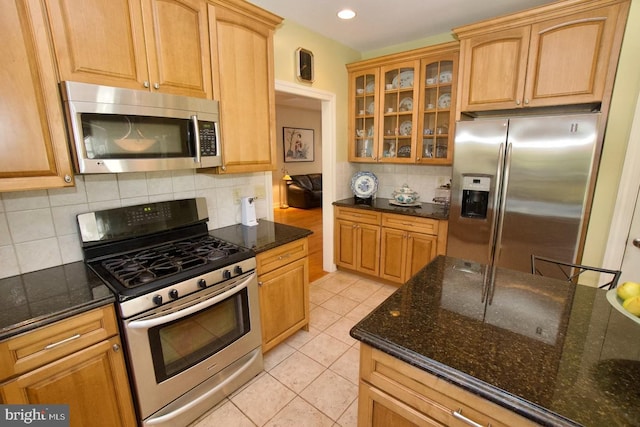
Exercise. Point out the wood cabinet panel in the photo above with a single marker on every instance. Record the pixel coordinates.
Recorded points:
(92, 381)
(423, 398)
(283, 279)
(368, 249)
(564, 53)
(157, 45)
(569, 58)
(494, 69)
(284, 302)
(33, 141)
(345, 244)
(393, 254)
(421, 249)
(242, 54)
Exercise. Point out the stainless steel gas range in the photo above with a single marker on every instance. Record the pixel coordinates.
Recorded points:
(188, 305)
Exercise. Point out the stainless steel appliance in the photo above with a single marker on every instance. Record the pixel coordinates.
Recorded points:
(188, 305)
(520, 186)
(123, 130)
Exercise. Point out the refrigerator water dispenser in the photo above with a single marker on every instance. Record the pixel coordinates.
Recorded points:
(475, 196)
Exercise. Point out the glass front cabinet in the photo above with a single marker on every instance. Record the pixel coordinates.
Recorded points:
(402, 107)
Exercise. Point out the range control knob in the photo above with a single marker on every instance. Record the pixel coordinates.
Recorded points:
(238, 269)
(226, 274)
(157, 299)
(173, 293)
(202, 283)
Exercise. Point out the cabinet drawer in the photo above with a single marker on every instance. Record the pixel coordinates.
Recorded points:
(411, 223)
(360, 216)
(35, 348)
(282, 255)
(430, 395)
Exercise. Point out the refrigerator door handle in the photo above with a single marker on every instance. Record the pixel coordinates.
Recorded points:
(496, 199)
(503, 202)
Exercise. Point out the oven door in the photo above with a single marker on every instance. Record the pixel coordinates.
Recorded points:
(178, 346)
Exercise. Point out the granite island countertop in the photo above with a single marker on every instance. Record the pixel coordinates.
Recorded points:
(262, 237)
(36, 299)
(553, 352)
(425, 210)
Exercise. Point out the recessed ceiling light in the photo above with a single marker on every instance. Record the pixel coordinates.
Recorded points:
(346, 14)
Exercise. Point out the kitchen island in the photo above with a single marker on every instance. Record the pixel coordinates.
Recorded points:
(541, 350)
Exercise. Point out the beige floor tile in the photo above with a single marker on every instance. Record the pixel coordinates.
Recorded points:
(318, 295)
(350, 417)
(299, 413)
(226, 414)
(276, 355)
(331, 394)
(297, 371)
(361, 290)
(359, 312)
(302, 337)
(339, 304)
(348, 365)
(337, 282)
(321, 318)
(340, 330)
(263, 399)
(324, 349)
(379, 296)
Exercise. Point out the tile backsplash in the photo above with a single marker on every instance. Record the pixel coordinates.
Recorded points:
(38, 228)
(422, 179)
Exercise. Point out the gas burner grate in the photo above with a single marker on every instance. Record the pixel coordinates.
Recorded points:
(141, 267)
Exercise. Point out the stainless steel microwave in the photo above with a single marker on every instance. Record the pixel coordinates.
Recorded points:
(122, 130)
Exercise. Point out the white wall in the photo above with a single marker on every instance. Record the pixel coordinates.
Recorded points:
(38, 228)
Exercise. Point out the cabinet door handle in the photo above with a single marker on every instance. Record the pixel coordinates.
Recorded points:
(458, 414)
(66, 340)
(281, 257)
(146, 84)
(517, 102)
(260, 283)
(116, 348)
(156, 85)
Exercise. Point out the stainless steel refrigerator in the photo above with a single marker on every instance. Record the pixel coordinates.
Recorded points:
(520, 186)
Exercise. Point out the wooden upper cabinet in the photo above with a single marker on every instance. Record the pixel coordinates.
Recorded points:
(494, 70)
(569, 58)
(158, 45)
(33, 140)
(560, 54)
(242, 56)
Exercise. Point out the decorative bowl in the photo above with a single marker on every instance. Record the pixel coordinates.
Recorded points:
(405, 195)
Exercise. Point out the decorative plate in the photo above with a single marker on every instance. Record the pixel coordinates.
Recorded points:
(406, 104)
(446, 77)
(444, 101)
(616, 302)
(404, 151)
(371, 108)
(364, 184)
(403, 80)
(405, 128)
(370, 87)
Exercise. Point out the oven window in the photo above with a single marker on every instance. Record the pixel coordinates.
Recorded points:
(178, 345)
(115, 136)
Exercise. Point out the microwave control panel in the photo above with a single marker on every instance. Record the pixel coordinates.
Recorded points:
(208, 146)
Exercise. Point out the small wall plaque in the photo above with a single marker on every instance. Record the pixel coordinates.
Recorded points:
(304, 65)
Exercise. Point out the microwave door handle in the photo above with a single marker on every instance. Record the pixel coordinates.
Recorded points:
(196, 137)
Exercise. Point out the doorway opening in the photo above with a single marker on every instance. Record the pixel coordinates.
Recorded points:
(319, 220)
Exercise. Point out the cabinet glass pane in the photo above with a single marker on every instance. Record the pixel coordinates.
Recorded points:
(398, 112)
(365, 105)
(436, 109)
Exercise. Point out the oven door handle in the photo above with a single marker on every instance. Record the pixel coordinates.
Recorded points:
(163, 319)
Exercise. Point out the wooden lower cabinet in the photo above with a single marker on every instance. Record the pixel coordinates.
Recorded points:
(394, 393)
(390, 246)
(78, 361)
(283, 279)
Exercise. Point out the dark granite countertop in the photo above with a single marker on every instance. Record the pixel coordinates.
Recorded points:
(425, 210)
(36, 299)
(553, 352)
(262, 237)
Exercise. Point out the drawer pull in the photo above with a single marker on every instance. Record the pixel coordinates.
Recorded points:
(66, 340)
(281, 257)
(458, 414)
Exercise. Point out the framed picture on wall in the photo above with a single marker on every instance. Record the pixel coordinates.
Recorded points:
(297, 144)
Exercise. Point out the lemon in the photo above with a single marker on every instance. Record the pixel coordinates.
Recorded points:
(632, 305)
(628, 290)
